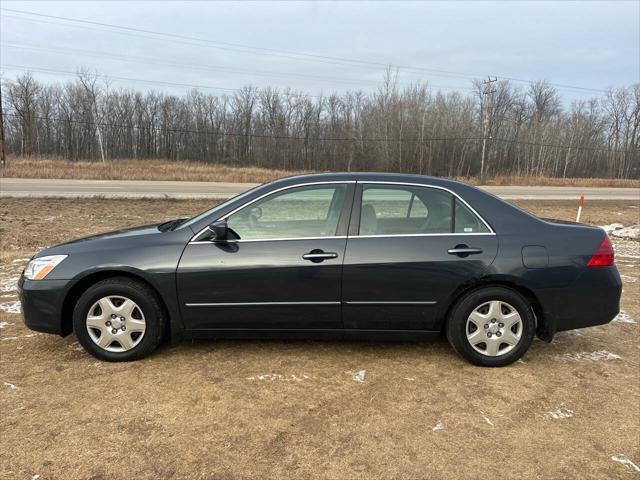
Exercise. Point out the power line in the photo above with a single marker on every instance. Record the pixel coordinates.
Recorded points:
(312, 139)
(26, 69)
(284, 53)
(159, 61)
(234, 134)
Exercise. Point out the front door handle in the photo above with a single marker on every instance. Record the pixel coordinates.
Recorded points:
(319, 256)
(463, 251)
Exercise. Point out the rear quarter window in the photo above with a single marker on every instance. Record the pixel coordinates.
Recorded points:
(466, 221)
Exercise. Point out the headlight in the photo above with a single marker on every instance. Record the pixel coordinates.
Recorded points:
(38, 268)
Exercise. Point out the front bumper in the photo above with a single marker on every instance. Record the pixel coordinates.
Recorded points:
(42, 302)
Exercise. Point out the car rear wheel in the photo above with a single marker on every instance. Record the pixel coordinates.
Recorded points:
(491, 326)
(119, 319)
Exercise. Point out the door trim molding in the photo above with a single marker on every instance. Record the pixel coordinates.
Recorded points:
(258, 304)
(391, 302)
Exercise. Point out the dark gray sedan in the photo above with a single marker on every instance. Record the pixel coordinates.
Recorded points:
(351, 256)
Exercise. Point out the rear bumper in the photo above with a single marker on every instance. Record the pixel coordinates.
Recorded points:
(42, 302)
(592, 299)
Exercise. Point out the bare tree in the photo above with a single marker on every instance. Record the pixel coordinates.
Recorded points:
(414, 129)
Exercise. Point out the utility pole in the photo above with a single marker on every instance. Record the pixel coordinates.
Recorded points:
(3, 160)
(488, 89)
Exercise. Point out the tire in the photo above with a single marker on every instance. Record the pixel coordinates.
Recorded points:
(484, 329)
(124, 310)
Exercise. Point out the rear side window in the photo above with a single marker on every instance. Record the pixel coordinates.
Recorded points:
(412, 210)
(404, 210)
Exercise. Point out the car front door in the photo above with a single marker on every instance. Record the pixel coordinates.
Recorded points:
(282, 269)
(409, 248)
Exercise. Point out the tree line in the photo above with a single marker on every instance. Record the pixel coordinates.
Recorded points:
(527, 130)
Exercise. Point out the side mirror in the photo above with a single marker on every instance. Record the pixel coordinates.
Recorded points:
(219, 230)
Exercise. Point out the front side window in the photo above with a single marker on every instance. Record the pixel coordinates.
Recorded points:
(311, 211)
(412, 210)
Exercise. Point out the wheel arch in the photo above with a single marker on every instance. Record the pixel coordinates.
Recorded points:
(86, 281)
(543, 329)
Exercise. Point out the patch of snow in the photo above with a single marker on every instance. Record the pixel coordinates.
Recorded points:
(632, 231)
(409, 379)
(626, 462)
(593, 356)
(278, 376)
(5, 324)
(359, 376)
(623, 317)
(10, 385)
(487, 419)
(628, 279)
(11, 307)
(9, 338)
(559, 414)
(611, 227)
(626, 248)
(438, 426)
(8, 285)
(20, 260)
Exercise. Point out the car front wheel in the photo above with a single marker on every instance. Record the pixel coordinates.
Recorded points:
(119, 319)
(491, 326)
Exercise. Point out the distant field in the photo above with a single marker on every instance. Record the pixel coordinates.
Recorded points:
(128, 169)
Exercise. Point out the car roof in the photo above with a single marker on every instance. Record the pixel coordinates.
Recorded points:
(368, 176)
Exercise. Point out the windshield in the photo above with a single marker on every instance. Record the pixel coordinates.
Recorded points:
(217, 208)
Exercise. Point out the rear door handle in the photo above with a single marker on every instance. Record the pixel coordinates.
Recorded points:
(319, 255)
(464, 251)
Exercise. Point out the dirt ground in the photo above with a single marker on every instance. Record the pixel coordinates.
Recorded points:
(294, 409)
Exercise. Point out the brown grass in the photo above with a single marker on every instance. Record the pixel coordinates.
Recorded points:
(504, 180)
(227, 410)
(129, 169)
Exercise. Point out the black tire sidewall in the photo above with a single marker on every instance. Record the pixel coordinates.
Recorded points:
(457, 324)
(135, 291)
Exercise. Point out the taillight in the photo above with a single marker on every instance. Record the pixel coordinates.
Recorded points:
(604, 254)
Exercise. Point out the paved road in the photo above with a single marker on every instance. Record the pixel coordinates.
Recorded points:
(21, 187)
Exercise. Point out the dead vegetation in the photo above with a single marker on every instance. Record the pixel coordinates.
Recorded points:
(124, 169)
(128, 169)
(293, 409)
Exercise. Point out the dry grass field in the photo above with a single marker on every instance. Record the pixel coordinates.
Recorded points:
(53, 167)
(294, 409)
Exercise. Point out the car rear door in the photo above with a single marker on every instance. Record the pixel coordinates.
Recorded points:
(284, 270)
(410, 247)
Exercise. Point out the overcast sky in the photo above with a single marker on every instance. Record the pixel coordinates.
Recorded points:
(595, 45)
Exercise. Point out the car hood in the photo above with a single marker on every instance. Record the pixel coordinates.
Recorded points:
(81, 243)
